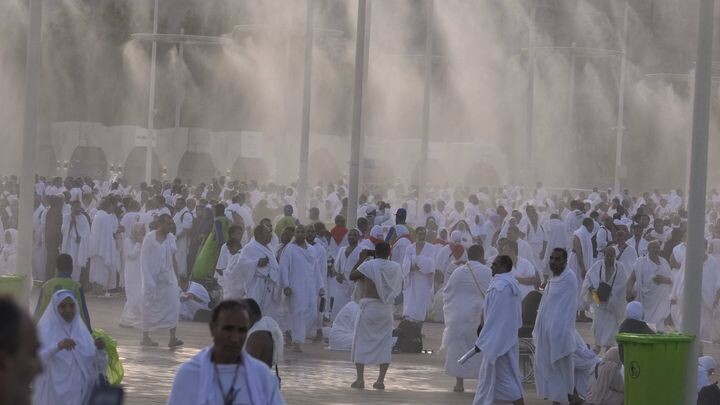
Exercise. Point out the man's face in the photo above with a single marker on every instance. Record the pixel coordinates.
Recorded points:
(496, 267)
(300, 234)
(353, 237)
(18, 370)
(654, 250)
(286, 236)
(557, 262)
(163, 226)
(644, 221)
(310, 235)
(191, 205)
(179, 205)
(420, 235)
(265, 236)
(67, 309)
(76, 208)
(609, 255)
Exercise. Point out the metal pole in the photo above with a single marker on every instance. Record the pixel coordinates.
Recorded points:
(27, 175)
(530, 106)
(422, 168)
(620, 128)
(179, 79)
(151, 101)
(305, 128)
(696, 199)
(575, 150)
(356, 134)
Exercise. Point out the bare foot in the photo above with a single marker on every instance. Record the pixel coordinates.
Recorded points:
(379, 386)
(458, 388)
(358, 384)
(148, 343)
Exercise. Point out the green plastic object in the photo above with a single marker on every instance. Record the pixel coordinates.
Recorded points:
(655, 368)
(115, 371)
(13, 286)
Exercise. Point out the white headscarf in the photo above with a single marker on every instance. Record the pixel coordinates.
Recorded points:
(705, 365)
(376, 232)
(52, 328)
(634, 310)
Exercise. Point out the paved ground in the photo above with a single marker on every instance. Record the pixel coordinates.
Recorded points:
(317, 376)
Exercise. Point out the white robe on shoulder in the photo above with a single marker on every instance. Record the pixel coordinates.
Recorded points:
(499, 375)
(555, 339)
(607, 316)
(464, 302)
(262, 283)
(341, 293)
(160, 290)
(654, 297)
(372, 341)
(418, 285)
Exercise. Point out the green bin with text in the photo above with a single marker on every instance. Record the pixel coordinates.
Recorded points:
(654, 367)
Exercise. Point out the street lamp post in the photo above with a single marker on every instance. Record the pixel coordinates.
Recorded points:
(696, 198)
(305, 128)
(620, 128)
(27, 174)
(151, 101)
(362, 44)
(422, 169)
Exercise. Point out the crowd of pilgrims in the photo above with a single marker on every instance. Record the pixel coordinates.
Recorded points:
(176, 250)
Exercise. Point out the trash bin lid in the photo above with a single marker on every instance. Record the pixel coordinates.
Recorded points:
(654, 339)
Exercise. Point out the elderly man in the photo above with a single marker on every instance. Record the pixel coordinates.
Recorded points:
(554, 333)
(464, 301)
(379, 281)
(609, 308)
(258, 263)
(652, 281)
(499, 373)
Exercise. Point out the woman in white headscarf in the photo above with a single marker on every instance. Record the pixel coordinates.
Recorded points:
(8, 253)
(608, 387)
(72, 360)
(706, 367)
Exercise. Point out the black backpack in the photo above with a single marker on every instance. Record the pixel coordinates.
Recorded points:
(409, 337)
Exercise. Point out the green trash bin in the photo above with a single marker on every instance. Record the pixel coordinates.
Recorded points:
(13, 286)
(655, 368)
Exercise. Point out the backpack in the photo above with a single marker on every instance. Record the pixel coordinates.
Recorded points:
(409, 337)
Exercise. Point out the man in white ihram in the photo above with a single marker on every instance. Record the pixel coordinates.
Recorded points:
(499, 374)
(301, 282)
(224, 373)
(260, 268)
(378, 282)
(463, 303)
(652, 282)
(418, 269)
(554, 333)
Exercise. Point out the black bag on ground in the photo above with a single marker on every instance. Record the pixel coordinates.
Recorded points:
(409, 337)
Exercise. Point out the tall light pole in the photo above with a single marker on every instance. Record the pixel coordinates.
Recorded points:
(307, 98)
(179, 78)
(33, 62)
(361, 44)
(620, 128)
(151, 100)
(422, 169)
(698, 190)
(530, 103)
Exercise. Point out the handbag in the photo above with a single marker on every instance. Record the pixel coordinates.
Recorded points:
(604, 289)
